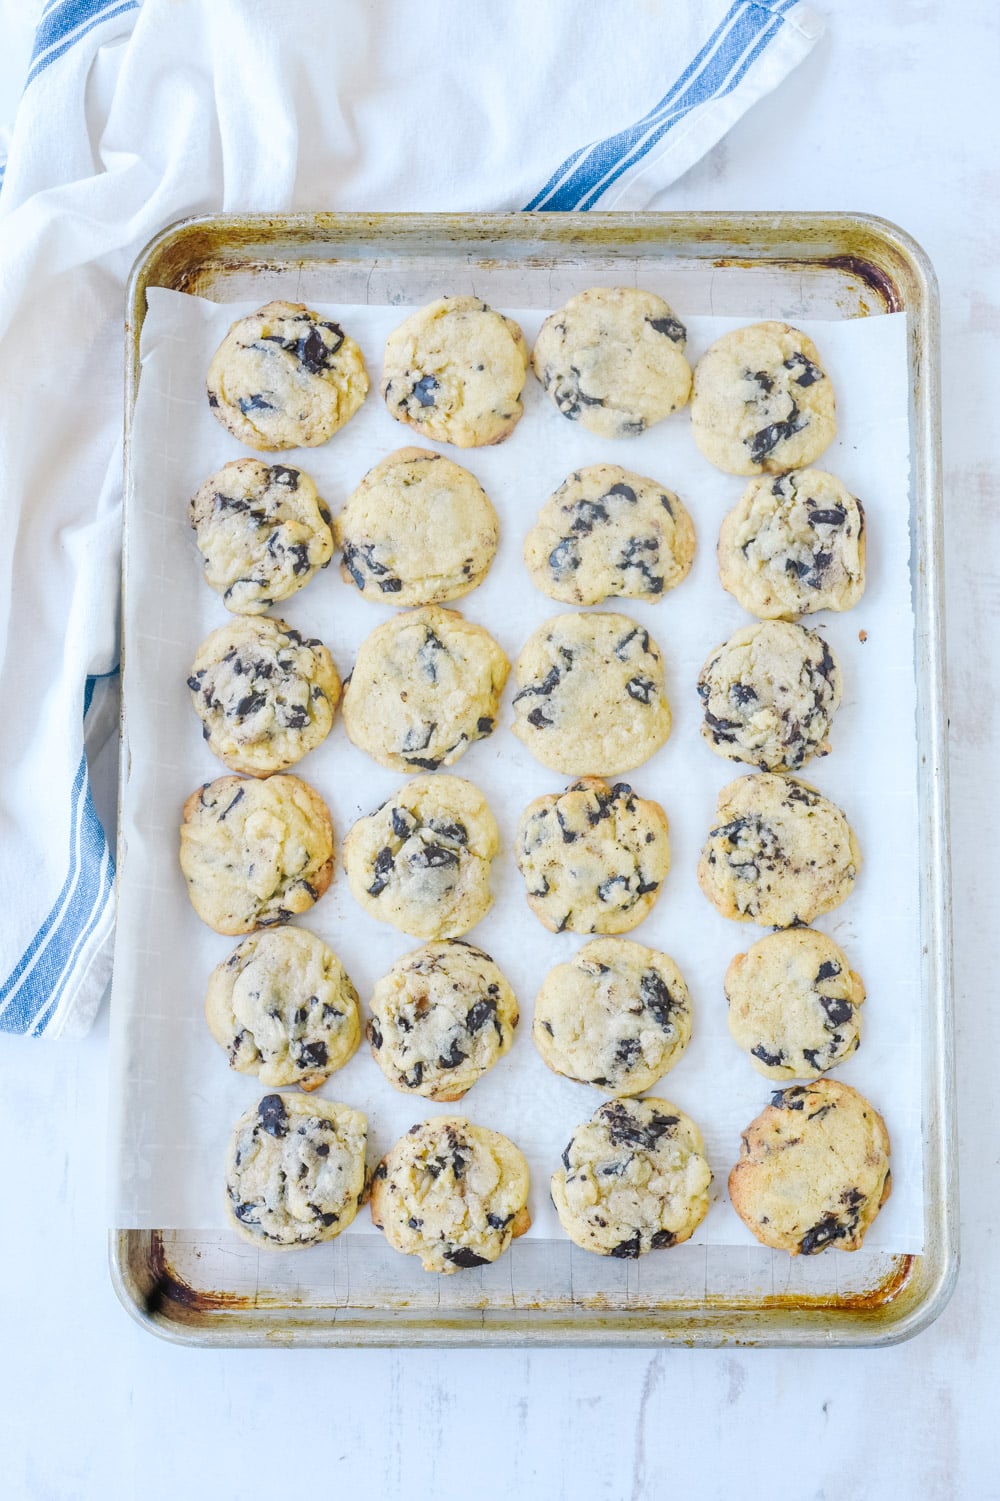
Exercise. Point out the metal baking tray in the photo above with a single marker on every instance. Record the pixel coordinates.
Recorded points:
(205, 1288)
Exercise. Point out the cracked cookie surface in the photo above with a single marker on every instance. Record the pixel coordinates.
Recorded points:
(813, 1169)
(285, 377)
(454, 371)
(255, 853)
(780, 853)
(794, 1004)
(607, 531)
(633, 1179)
(593, 857)
(262, 532)
(295, 1171)
(422, 860)
(794, 545)
(762, 402)
(442, 1016)
(590, 694)
(451, 1193)
(283, 1007)
(613, 360)
(265, 694)
(425, 685)
(617, 1016)
(418, 530)
(768, 696)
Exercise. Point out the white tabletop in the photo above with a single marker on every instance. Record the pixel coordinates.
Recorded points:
(894, 113)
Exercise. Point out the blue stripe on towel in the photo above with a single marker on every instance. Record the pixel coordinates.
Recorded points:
(32, 991)
(64, 23)
(735, 44)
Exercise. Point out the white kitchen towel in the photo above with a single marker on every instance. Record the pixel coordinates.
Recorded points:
(136, 115)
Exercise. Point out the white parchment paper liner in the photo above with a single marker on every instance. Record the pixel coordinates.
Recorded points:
(180, 1099)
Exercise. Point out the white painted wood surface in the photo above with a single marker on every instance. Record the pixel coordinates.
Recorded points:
(894, 113)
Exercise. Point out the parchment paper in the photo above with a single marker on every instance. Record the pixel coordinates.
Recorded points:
(178, 1099)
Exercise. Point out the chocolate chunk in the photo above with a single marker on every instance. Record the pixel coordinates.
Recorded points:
(542, 689)
(424, 389)
(463, 1257)
(565, 557)
(838, 1011)
(381, 869)
(453, 1057)
(628, 1052)
(771, 1060)
(625, 1129)
(434, 857)
(832, 516)
(828, 1230)
(498, 1221)
(273, 1116)
(662, 1239)
(627, 1250)
(484, 1010)
(230, 806)
(768, 438)
(809, 373)
(540, 719)
(641, 689)
(375, 1034)
(586, 515)
(485, 725)
(656, 998)
(624, 491)
(673, 328)
(313, 1055)
(282, 475)
(412, 740)
(256, 403)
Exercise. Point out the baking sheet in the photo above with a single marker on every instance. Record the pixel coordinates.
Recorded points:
(180, 1099)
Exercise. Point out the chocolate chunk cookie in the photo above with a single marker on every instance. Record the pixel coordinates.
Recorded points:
(455, 371)
(590, 694)
(593, 857)
(605, 532)
(768, 696)
(425, 685)
(633, 1179)
(265, 694)
(762, 403)
(813, 1169)
(780, 854)
(794, 545)
(262, 532)
(295, 1172)
(422, 860)
(794, 1004)
(441, 1017)
(613, 360)
(617, 1016)
(418, 530)
(284, 377)
(451, 1193)
(255, 853)
(283, 1007)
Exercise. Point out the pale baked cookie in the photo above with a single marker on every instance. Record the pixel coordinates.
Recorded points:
(769, 694)
(780, 854)
(422, 860)
(590, 694)
(813, 1169)
(265, 694)
(633, 1179)
(613, 360)
(295, 1171)
(441, 1017)
(605, 532)
(617, 1016)
(262, 532)
(255, 853)
(593, 857)
(455, 371)
(284, 377)
(762, 403)
(794, 1004)
(794, 545)
(451, 1193)
(283, 1007)
(425, 685)
(418, 530)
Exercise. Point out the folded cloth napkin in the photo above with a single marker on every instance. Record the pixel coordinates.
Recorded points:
(134, 116)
